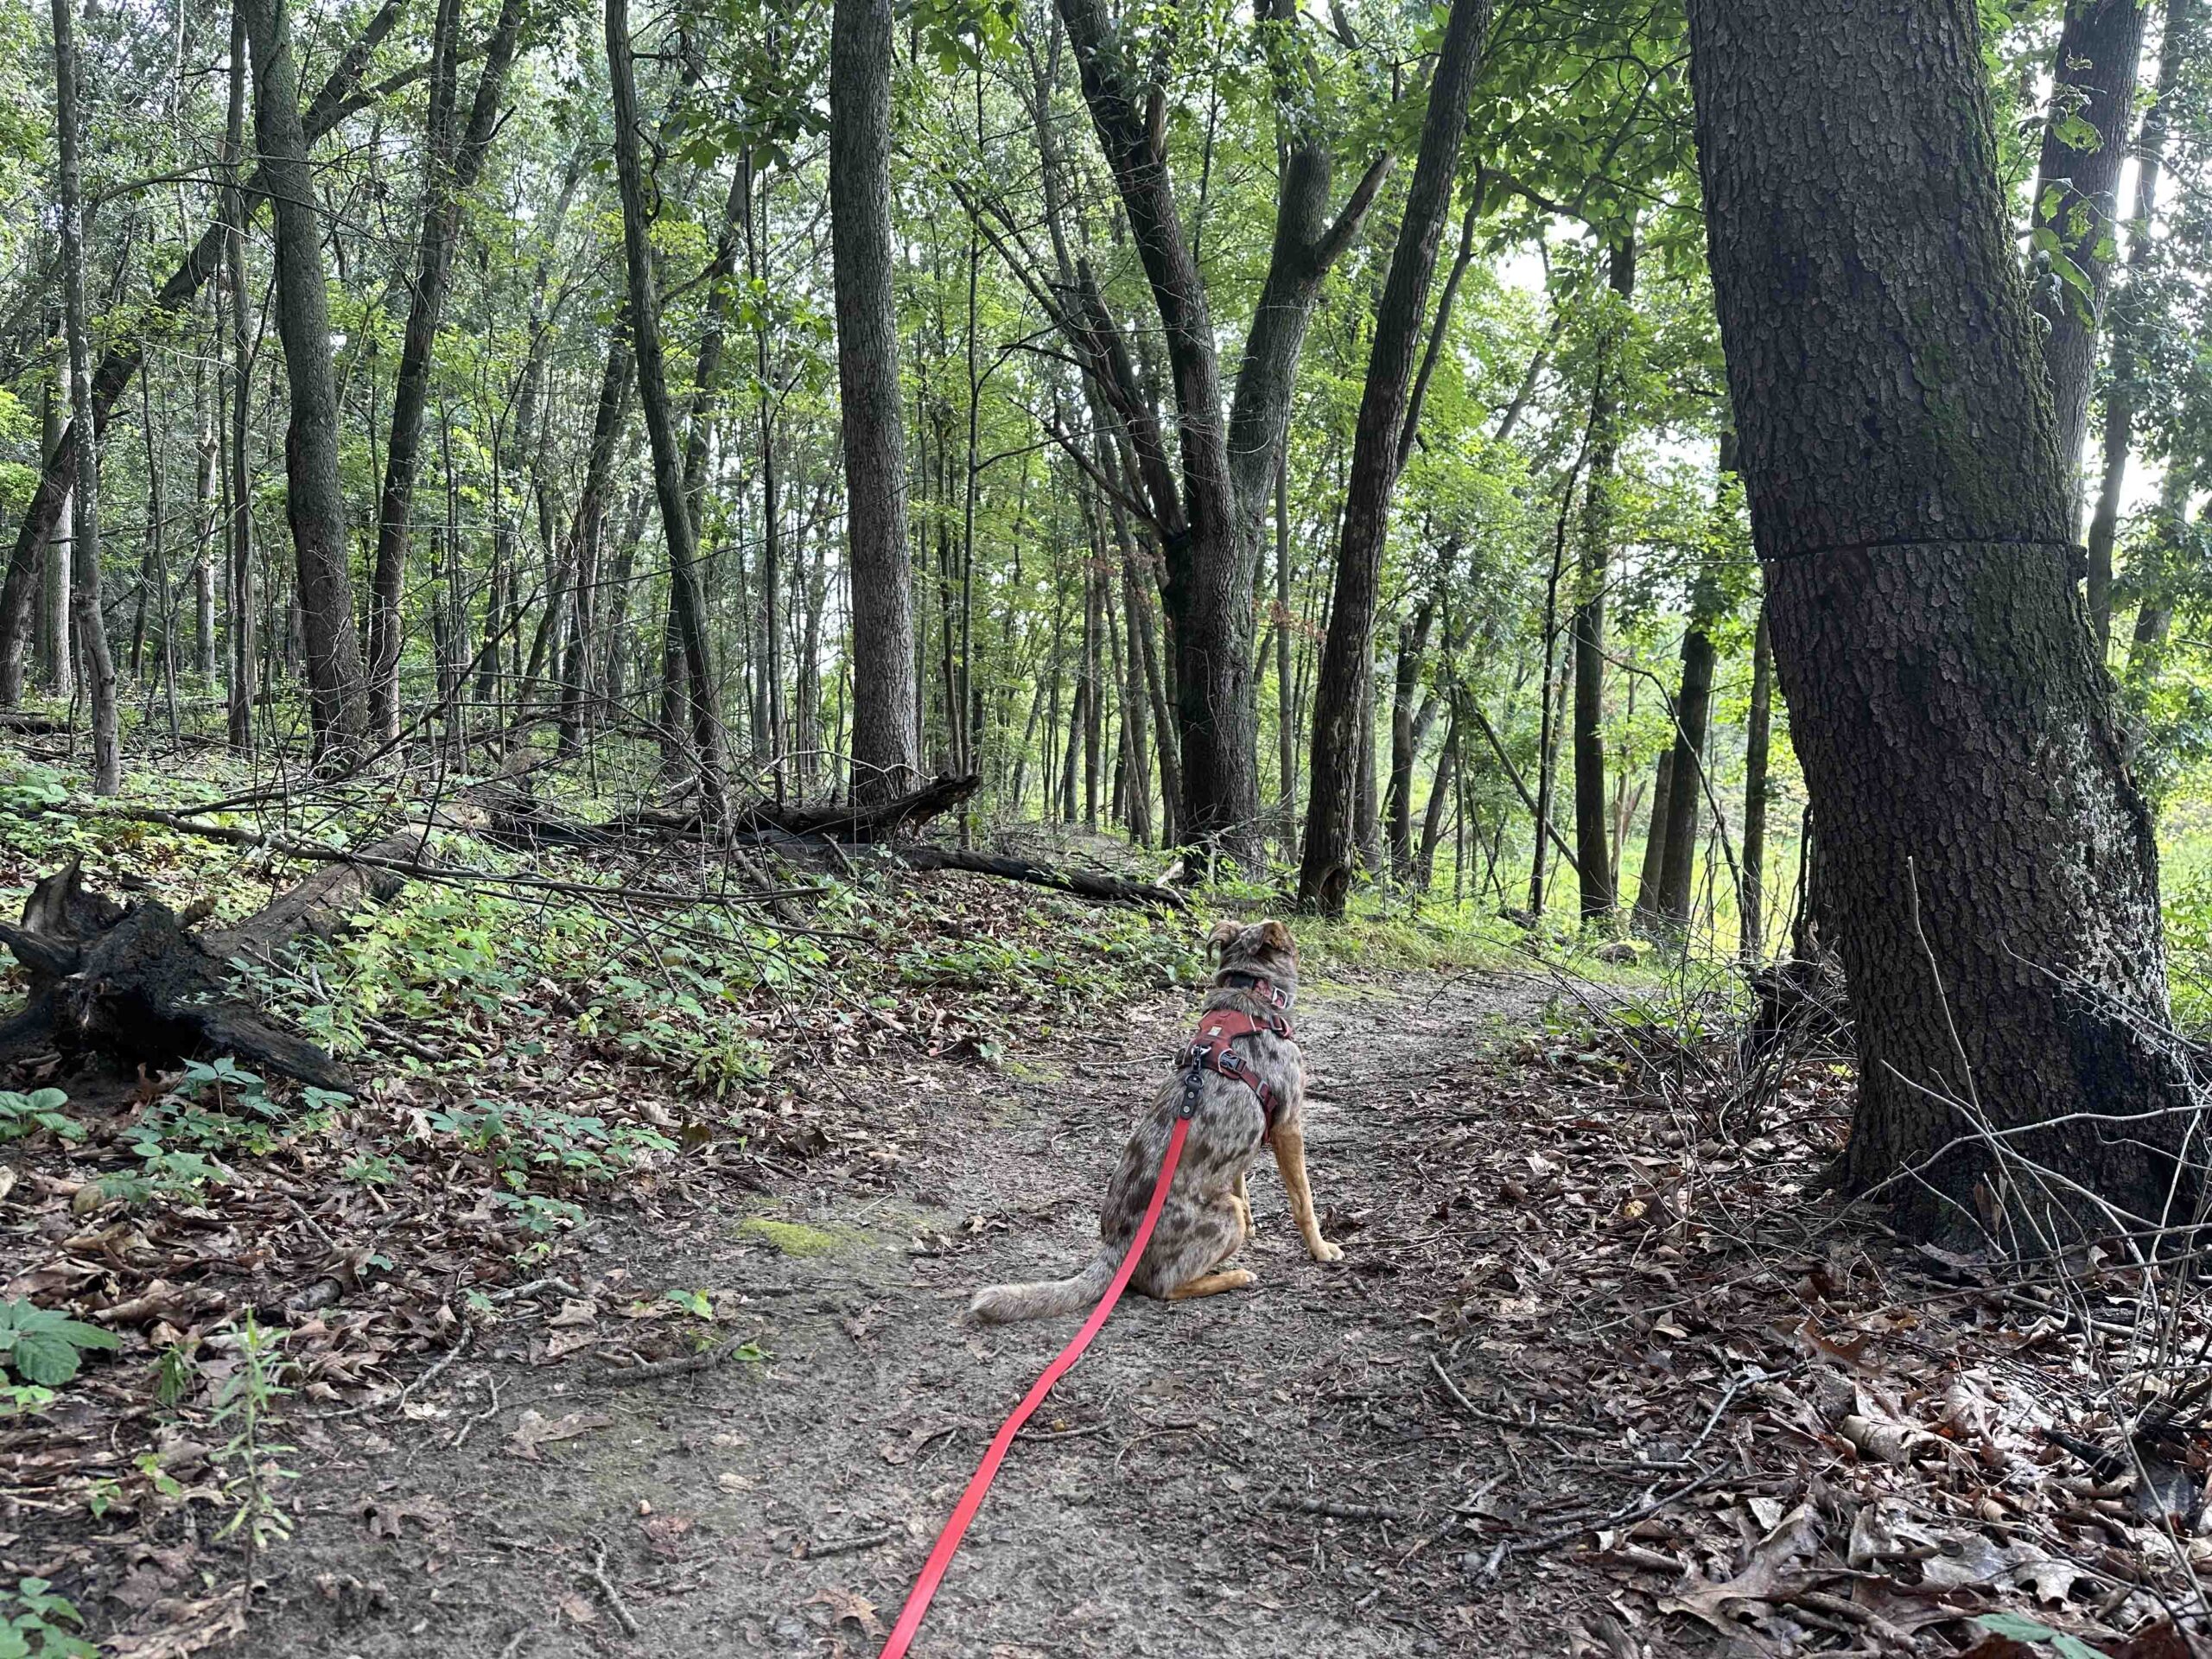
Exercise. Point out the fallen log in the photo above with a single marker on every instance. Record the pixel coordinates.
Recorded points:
(29, 725)
(133, 983)
(1088, 884)
(879, 821)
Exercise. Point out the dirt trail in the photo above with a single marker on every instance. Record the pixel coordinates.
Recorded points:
(783, 1507)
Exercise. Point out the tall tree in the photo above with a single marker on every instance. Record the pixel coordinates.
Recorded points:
(451, 163)
(1211, 519)
(315, 502)
(1987, 860)
(2183, 27)
(84, 535)
(689, 603)
(1692, 712)
(1342, 702)
(886, 732)
(2077, 193)
(1594, 851)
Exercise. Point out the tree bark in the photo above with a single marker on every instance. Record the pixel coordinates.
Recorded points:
(689, 604)
(1592, 841)
(1341, 694)
(1405, 745)
(237, 545)
(314, 501)
(1651, 914)
(1987, 860)
(451, 165)
(85, 536)
(2077, 193)
(2182, 30)
(886, 736)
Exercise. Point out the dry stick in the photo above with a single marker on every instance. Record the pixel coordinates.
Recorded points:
(1513, 774)
(1507, 1549)
(483, 1416)
(1332, 1510)
(597, 1574)
(438, 1368)
(651, 1370)
(1500, 1419)
(848, 1546)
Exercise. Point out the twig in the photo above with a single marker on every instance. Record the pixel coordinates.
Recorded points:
(514, 1643)
(400, 1040)
(1507, 1549)
(436, 1369)
(486, 1415)
(605, 1586)
(1460, 1400)
(515, 1292)
(650, 1370)
(1335, 1511)
(848, 1546)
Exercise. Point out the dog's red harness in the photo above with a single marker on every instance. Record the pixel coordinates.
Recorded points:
(1212, 1051)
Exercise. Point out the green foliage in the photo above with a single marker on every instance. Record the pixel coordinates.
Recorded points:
(44, 1348)
(35, 1624)
(21, 1114)
(245, 1410)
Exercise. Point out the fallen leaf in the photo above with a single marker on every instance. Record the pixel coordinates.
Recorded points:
(535, 1430)
(844, 1604)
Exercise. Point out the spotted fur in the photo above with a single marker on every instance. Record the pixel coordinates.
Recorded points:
(1207, 1216)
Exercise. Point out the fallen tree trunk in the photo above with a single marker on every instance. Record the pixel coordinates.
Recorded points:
(870, 822)
(133, 983)
(1088, 884)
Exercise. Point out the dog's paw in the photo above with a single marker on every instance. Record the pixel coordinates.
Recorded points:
(1324, 1250)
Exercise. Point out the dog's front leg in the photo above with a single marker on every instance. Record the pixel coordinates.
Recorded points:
(1290, 1158)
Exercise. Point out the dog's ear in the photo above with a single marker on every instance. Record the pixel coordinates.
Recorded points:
(1224, 934)
(1276, 936)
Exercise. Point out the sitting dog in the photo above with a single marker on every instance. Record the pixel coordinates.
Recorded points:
(1243, 1070)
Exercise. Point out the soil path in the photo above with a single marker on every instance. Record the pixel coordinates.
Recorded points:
(784, 1506)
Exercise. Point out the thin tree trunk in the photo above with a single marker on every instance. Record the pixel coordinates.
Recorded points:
(56, 658)
(1693, 713)
(2076, 201)
(1592, 848)
(1650, 913)
(451, 163)
(1398, 810)
(1990, 867)
(1750, 902)
(85, 536)
(238, 596)
(2121, 388)
(1345, 688)
(314, 500)
(691, 607)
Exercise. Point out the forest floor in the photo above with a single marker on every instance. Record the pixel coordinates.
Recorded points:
(1579, 1385)
(1602, 1370)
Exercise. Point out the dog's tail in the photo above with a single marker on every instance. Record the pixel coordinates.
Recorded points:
(1004, 1304)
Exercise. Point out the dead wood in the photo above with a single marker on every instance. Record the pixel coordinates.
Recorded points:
(1088, 884)
(30, 724)
(132, 983)
(882, 821)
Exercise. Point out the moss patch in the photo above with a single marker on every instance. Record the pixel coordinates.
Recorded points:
(789, 1236)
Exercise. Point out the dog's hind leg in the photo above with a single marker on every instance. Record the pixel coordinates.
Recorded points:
(1290, 1158)
(1242, 1200)
(1212, 1284)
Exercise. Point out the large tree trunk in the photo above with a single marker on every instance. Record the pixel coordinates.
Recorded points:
(314, 501)
(1593, 853)
(690, 603)
(2077, 191)
(2121, 390)
(1988, 861)
(450, 168)
(85, 538)
(886, 735)
(1343, 693)
(126, 347)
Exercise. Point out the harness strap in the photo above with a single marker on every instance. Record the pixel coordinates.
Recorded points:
(948, 1540)
(1212, 1051)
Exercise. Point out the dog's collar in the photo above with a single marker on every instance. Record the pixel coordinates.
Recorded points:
(1259, 984)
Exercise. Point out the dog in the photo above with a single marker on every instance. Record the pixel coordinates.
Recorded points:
(1207, 1216)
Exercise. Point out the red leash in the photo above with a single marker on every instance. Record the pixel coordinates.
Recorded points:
(948, 1541)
